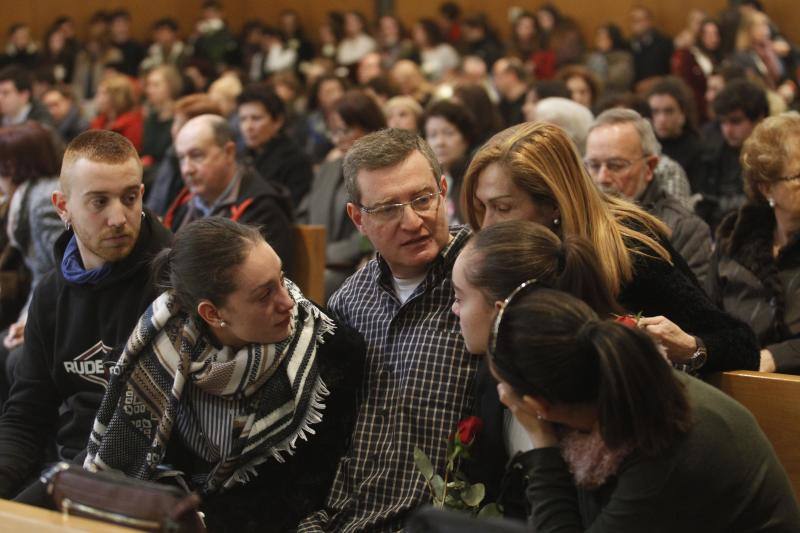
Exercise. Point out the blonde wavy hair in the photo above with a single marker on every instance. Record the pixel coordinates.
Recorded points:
(542, 161)
(767, 151)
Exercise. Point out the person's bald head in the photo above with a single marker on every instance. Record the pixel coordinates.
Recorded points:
(207, 154)
(98, 146)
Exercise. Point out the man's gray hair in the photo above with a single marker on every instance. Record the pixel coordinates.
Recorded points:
(650, 145)
(384, 149)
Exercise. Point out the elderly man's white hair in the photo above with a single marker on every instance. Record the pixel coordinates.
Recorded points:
(574, 118)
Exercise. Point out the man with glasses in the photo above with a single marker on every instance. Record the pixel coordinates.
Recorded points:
(418, 375)
(621, 155)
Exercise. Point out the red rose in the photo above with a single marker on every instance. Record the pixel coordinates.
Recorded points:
(469, 428)
(627, 320)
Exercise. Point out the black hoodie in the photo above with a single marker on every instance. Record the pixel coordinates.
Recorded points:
(73, 334)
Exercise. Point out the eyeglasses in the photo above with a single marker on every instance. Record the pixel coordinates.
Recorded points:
(492, 344)
(424, 204)
(614, 165)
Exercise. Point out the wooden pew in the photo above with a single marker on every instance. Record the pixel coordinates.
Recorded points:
(19, 517)
(774, 399)
(309, 261)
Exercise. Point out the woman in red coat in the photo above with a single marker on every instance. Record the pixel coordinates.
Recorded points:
(117, 109)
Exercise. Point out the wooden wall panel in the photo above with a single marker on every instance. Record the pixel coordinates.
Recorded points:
(670, 15)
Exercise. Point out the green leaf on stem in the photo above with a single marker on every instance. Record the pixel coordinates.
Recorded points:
(437, 483)
(423, 464)
(490, 510)
(473, 495)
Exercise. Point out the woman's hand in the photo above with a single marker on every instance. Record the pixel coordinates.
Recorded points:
(540, 431)
(679, 345)
(767, 362)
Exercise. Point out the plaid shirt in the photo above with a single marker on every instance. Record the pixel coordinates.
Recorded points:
(418, 385)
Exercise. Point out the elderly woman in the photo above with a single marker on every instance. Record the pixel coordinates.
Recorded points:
(757, 278)
(117, 109)
(247, 382)
(533, 172)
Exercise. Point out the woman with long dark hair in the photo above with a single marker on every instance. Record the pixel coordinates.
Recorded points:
(620, 440)
(246, 380)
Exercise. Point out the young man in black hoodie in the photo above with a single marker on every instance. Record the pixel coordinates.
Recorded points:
(82, 312)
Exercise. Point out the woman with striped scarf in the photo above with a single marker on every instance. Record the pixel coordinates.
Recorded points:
(232, 384)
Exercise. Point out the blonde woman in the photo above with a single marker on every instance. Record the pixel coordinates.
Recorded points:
(117, 109)
(533, 172)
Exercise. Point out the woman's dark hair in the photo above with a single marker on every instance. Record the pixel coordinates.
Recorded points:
(433, 33)
(27, 152)
(264, 94)
(716, 55)
(456, 114)
(683, 96)
(313, 93)
(202, 261)
(509, 253)
(488, 120)
(618, 41)
(359, 110)
(552, 345)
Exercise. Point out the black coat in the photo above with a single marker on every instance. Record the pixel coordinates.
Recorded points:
(283, 162)
(757, 288)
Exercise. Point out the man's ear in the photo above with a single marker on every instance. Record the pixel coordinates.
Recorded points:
(652, 163)
(443, 184)
(59, 200)
(230, 150)
(209, 313)
(356, 215)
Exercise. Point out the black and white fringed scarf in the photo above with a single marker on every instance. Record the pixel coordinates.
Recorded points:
(266, 396)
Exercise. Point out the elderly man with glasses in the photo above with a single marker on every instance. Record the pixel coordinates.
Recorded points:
(418, 376)
(621, 155)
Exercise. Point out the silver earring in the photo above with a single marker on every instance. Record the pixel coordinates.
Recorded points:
(142, 214)
(67, 225)
(771, 202)
(556, 221)
(223, 324)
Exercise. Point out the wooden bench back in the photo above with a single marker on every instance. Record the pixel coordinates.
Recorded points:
(309, 261)
(774, 399)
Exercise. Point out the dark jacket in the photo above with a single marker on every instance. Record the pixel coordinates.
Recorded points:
(283, 162)
(722, 476)
(166, 184)
(652, 53)
(72, 125)
(690, 237)
(757, 288)
(284, 493)
(73, 332)
(687, 150)
(719, 181)
(253, 201)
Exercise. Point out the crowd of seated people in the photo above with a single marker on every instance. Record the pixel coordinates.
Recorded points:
(489, 209)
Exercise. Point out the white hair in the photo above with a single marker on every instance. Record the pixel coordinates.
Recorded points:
(574, 118)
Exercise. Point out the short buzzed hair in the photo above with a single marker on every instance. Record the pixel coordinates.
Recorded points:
(99, 146)
(384, 149)
(650, 145)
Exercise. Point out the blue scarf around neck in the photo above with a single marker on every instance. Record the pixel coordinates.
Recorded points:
(72, 267)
